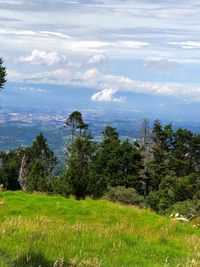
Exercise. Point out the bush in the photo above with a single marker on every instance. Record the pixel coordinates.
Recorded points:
(128, 196)
(196, 221)
(189, 208)
(153, 200)
(60, 185)
(160, 200)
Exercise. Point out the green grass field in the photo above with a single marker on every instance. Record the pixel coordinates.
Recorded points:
(39, 230)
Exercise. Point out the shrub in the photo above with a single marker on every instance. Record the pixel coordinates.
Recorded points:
(189, 208)
(196, 221)
(153, 200)
(128, 196)
(60, 186)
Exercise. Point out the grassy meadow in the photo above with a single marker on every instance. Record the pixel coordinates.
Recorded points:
(39, 230)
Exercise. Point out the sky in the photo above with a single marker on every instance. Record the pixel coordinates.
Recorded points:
(144, 47)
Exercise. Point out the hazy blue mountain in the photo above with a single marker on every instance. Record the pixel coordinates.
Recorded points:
(57, 98)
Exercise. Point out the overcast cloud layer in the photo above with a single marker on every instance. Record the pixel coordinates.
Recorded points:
(143, 46)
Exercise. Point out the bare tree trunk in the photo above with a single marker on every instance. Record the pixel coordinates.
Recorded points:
(22, 173)
(145, 135)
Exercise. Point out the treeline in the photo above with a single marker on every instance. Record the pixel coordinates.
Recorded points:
(161, 171)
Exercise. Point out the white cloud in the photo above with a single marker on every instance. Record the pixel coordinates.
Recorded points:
(14, 75)
(74, 64)
(128, 32)
(89, 74)
(131, 44)
(93, 78)
(59, 76)
(106, 95)
(187, 44)
(54, 34)
(85, 46)
(161, 64)
(38, 57)
(11, 2)
(98, 58)
(122, 83)
(116, 27)
(31, 89)
(11, 31)
(17, 32)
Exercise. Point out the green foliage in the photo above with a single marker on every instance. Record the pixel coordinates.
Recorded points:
(29, 168)
(153, 200)
(40, 165)
(174, 167)
(187, 187)
(173, 189)
(75, 123)
(116, 163)
(177, 151)
(188, 208)
(91, 169)
(182, 162)
(9, 169)
(37, 177)
(162, 137)
(125, 195)
(79, 160)
(196, 221)
(60, 185)
(2, 74)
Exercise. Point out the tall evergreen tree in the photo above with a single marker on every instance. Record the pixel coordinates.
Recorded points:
(162, 147)
(195, 153)
(146, 143)
(76, 176)
(106, 163)
(40, 165)
(78, 169)
(9, 168)
(182, 153)
(116, 163)
(2, 74)
(75, 123)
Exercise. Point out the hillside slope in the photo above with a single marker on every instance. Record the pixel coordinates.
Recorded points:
(39, 230)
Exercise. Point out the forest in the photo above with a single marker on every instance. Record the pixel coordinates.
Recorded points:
(161, 171)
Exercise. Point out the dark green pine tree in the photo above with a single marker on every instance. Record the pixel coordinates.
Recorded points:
(40, 166)
(77, 175)
(2, 74)
(183, 153)
(9, 168)
(116, 163)
(130, 165)
(106, 162)
(195, 153)
(75, 123)
(162, 148)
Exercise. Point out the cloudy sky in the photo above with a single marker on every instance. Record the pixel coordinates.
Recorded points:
(116, 47)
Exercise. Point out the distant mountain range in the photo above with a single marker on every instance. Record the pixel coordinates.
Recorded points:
(56, 98)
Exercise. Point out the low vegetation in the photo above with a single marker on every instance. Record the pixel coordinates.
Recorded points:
(39, 230)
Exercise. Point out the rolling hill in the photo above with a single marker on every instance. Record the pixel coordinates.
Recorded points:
(39, 230)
